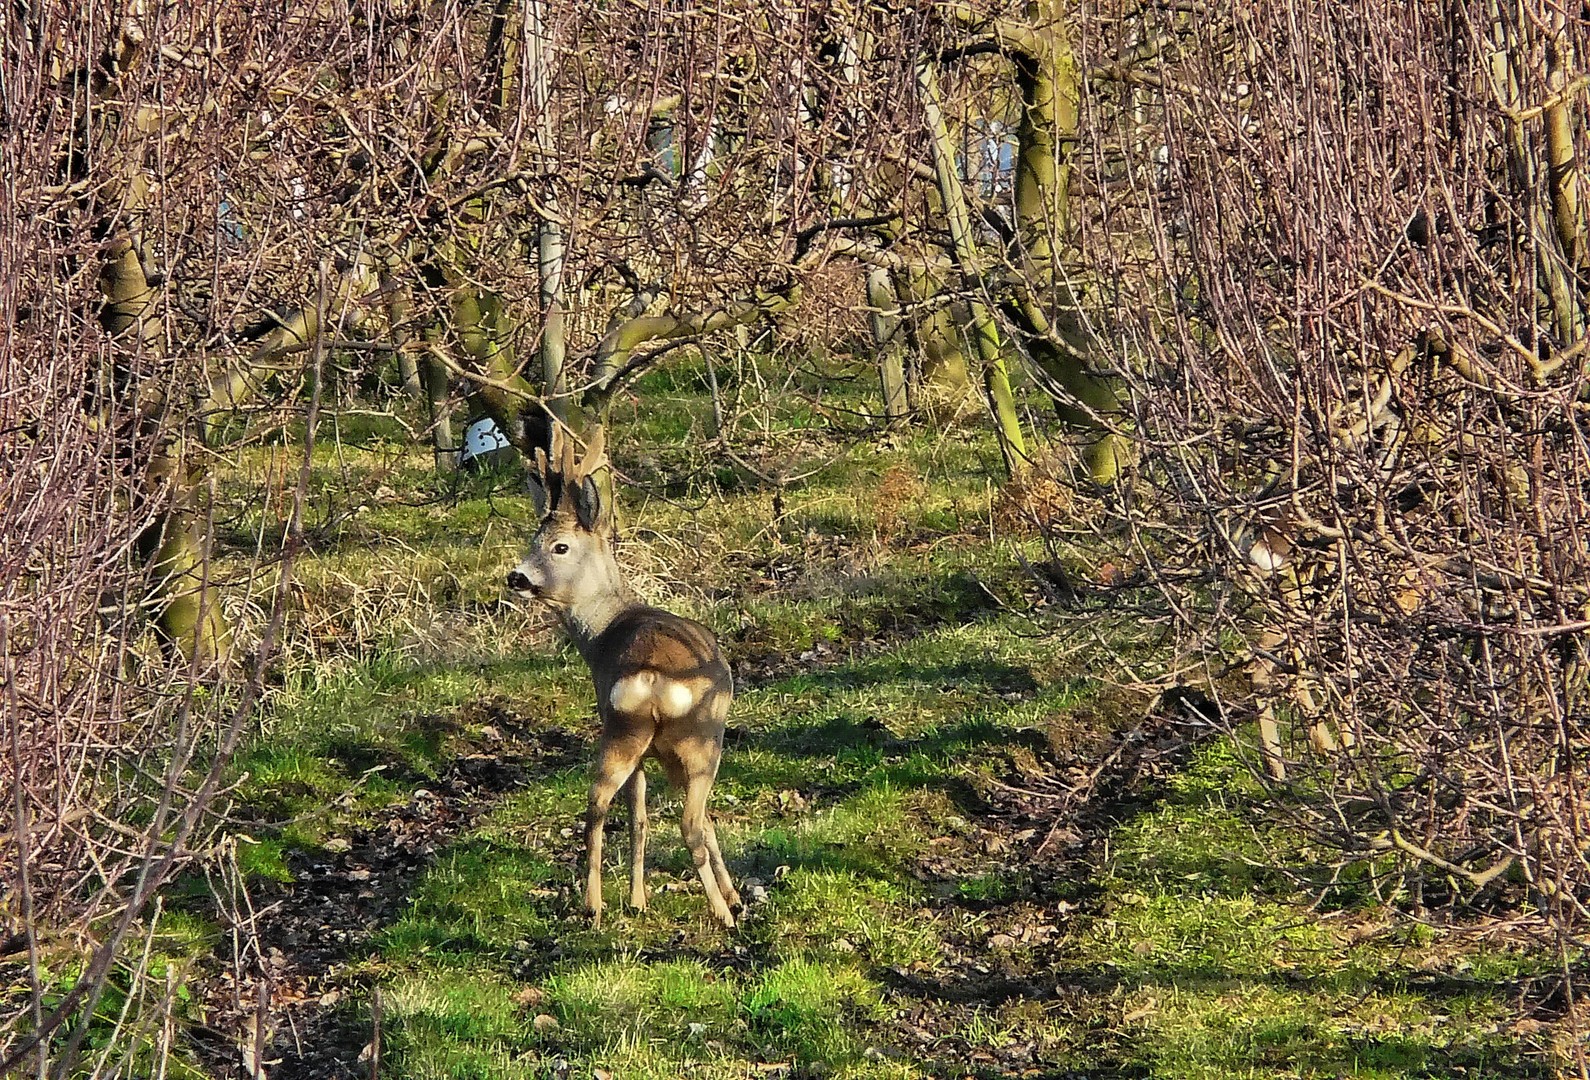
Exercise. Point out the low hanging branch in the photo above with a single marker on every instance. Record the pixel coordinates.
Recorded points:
(611, 359)
(237, 385)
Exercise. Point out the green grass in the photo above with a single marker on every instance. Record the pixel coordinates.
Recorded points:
(472, 902)
(151, 983)
(895, 701)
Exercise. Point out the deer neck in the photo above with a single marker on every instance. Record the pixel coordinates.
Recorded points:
(589, 615)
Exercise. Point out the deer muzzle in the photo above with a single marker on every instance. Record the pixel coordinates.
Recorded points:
(519, 582)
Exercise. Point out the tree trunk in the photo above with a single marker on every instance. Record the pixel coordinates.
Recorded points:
(940, 378)
(985, 335)
(553, 339)
(400, 308)
(549, 237)
(188, 619)
(1555, 220)
(886, 334)
(1044, 310)
(444, 444)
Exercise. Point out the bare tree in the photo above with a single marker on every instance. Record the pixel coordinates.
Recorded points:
(1337, 257)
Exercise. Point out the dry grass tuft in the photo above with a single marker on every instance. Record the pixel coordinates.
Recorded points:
(1042, 500)
(898, 491)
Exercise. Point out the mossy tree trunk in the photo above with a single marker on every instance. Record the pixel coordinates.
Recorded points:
(1043, 312)
(942, 373)
(473, 341)
(1557, 219)
(400, 310)
(985, 334)
(1565, 281)
(187, 607)
(889, 339)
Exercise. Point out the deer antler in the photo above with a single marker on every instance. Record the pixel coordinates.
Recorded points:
(595, 454)
(563, 481)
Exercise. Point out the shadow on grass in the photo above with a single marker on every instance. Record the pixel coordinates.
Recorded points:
(432, 903)
(1262, 1039)
(866, 755)
(398, 790)
(863, 613)
(845, 731)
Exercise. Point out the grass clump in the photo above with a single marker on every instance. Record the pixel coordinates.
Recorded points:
(1178, 937)
(801, 1007)
(1210, 1033)
(453, 1024)
(867, 831)
(681, 1003)
(834, 914)
(475, 899)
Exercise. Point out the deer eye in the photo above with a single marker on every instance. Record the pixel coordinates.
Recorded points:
(560, 548)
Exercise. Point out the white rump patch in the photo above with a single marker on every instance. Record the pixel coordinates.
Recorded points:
(633, 693)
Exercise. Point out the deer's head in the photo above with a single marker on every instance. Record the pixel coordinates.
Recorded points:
(570, 562)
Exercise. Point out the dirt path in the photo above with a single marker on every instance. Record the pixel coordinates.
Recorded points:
(305, 997)
(1032, 818)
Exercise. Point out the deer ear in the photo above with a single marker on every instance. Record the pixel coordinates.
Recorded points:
(538, 482)
(591, 509)
(538, 494)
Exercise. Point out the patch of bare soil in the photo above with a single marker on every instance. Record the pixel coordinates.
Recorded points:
(297, 1008)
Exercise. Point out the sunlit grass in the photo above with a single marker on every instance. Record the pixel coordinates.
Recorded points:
(890, 673)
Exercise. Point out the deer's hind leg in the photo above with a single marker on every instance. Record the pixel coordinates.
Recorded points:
(637, 838)
(718, 707)
(617, 760)
(697, 827)
(692, 766)
(731, 895)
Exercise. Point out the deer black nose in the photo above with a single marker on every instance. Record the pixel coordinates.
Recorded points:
(518, 582)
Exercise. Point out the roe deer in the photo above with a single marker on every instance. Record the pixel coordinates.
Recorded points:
(662, 685)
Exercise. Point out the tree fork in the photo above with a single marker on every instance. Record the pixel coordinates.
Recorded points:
(1046, 77)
